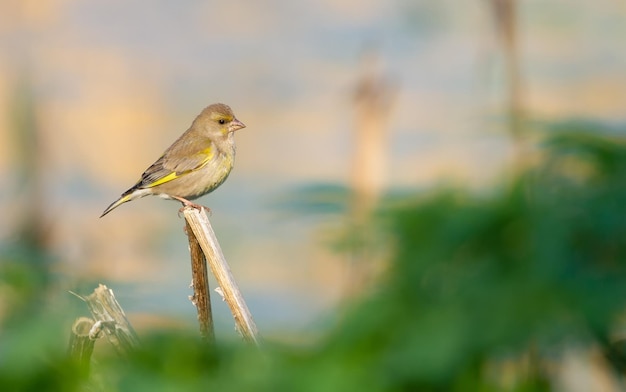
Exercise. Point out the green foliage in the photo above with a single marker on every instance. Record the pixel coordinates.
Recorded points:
(530, 270)
(474, 282)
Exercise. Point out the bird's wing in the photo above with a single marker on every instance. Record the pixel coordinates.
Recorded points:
(178, 160)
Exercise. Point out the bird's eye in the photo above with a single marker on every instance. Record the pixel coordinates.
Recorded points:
(222, 121)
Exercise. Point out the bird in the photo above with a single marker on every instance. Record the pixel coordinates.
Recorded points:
(197, 163)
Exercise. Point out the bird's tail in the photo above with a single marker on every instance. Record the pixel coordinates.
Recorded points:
(123, 199)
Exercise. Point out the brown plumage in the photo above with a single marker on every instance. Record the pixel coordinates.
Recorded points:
(195, 164)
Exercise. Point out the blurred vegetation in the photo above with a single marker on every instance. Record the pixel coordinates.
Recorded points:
(482, 293)
(25, 263)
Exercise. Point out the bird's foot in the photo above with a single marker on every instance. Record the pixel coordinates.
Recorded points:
(187, 203)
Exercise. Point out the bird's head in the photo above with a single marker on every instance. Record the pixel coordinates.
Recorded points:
(218, 120)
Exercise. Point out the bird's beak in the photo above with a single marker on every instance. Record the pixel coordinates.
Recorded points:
(235, 125)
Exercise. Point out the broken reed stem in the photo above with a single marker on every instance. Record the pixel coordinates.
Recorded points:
(81, 344)
(201, 228)
(201, 297)
(110, 317)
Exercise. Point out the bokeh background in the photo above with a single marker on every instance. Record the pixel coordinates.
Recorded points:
(91, 93)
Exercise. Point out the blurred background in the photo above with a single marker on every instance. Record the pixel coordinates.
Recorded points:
(346, 103)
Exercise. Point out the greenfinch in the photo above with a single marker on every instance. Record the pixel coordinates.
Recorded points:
(195, 164)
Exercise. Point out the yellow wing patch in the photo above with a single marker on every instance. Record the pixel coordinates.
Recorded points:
(207, 153)
(163, 180)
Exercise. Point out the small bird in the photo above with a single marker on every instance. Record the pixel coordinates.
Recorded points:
(197, 163)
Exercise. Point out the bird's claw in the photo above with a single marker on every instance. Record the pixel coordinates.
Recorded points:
(187, 203)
